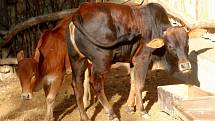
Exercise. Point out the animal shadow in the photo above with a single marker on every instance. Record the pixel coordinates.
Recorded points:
(66, 99)
(193, 76)
(154, 79)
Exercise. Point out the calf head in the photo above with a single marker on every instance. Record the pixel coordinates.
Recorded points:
(27, 72)
(177, 48)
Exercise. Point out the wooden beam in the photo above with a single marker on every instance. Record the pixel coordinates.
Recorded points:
(8, 61)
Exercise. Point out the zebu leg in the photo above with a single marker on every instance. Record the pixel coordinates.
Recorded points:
(141, 65)
(98, 77)
(131, 97)
(87, 94)
(78, 69)
(78, 65)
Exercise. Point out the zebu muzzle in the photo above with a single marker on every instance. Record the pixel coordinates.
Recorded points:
(185, 67)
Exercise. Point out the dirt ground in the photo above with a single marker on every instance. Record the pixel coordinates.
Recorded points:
(12, 108)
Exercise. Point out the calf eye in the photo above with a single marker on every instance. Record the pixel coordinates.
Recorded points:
(33, 78)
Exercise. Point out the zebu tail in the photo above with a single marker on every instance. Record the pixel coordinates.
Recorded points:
(124, 38)
(159, 18)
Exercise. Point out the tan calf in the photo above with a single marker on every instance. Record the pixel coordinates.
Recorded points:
(47, 67)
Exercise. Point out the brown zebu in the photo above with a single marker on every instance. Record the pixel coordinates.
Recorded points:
(98, 37)
(47, 67)
(164, 59)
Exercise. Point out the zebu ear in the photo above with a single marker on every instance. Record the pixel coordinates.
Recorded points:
(37, 55)
(156, 43)
(20, 56)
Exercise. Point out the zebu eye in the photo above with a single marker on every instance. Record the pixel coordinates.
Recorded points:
(170, 47)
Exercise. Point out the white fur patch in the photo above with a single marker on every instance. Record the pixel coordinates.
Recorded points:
(72, 38)
(49, 79)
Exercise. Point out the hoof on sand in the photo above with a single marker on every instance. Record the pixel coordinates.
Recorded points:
(112, 117)
(129, 109)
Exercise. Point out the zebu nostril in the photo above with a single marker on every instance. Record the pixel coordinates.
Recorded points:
(185, 66)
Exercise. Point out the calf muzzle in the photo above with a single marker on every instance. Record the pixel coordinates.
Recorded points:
(26, 96)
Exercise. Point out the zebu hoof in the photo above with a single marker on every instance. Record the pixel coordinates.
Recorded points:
(129, 109)
(144, 115)
(112, 117)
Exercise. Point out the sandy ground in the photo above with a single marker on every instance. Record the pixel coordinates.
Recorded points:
(12, 108)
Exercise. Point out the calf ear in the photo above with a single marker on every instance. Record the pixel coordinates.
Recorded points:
(156, 43)
(20, 56)
(37, 55)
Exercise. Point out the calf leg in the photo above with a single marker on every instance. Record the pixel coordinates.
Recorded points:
(51, 92)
